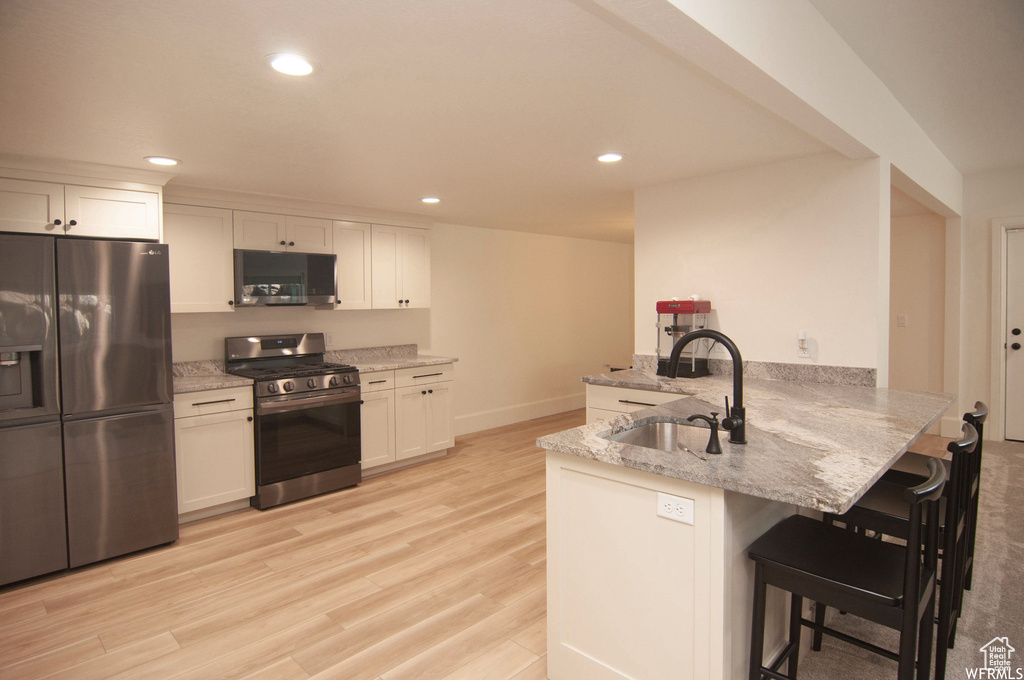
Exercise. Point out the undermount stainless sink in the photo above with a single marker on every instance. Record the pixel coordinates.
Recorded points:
(661, 435)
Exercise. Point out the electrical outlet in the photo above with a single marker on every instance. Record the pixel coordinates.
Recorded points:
(329, 340)
(803, 353)
(675, 508)
(901, 321)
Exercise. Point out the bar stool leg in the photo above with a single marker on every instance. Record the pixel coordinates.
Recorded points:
(819, 618)
(757, 623)
(926, 636)
(796, 604)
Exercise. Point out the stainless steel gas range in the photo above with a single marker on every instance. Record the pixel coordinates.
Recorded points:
(307, 416)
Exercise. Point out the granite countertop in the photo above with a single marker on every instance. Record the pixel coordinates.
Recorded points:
(196, 376)
(813, 445)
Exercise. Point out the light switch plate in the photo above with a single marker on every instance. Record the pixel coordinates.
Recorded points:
(675, 508)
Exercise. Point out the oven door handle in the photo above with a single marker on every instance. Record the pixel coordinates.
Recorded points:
(265, 408)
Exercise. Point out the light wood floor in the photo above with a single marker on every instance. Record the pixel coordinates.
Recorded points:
(437, 571)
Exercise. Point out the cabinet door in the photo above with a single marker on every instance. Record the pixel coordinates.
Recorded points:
(200, 241)
(410, 422)
(215, 459)
(352, 248)
(111, 213)
(440, 417)
(309, 234)
(260, 231)
(386, 273)
(377, 420)
(415, 267)
(31, 207)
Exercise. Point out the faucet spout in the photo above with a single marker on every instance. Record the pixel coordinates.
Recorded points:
(736, 422)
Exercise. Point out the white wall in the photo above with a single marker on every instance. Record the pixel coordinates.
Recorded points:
(917, 289)
(987, 196)
(526, 314)
(777, 249)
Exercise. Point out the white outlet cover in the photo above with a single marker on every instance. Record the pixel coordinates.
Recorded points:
(675, 508)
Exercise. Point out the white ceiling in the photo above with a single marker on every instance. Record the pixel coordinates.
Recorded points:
(499, 108)
(957, 66)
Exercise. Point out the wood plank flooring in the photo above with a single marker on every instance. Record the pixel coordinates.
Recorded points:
(432, 572)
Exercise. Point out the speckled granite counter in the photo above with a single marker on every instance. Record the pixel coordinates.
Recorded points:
(813, 445)
(385, 358)
(196, 376)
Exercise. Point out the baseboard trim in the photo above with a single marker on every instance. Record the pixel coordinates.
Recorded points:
(485, 420)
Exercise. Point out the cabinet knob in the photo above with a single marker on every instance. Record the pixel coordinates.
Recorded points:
(56, 223)
(406, 302)
(361, 401)
(430, 391)
(291, 243)
(249, 419)
(423, 392)
(1016, 331)
(231, 302)
(72, 223)
(283, 243)
(1015, 345)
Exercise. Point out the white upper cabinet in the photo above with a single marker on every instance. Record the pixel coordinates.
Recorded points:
(72, 210)
(201, 262)
(400, 267)
(352, 248)
(266, 231)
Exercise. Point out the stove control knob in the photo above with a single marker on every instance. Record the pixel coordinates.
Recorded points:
(311, 382)
(272, 388)
(334, 381)
(289, 386)
(348, 379)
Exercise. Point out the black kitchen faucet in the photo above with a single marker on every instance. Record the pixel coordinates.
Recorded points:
(735, 423)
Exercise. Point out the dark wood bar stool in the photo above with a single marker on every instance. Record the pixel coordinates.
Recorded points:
(883, 511)
(889, 584)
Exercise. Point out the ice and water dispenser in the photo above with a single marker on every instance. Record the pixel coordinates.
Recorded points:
(676, 318)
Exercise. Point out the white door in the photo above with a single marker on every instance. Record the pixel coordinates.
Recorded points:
(415, 254)
(201, 262)
(33, 207)
(111, 213)
(440, 432)
(260, 231)
(309, 234)
(410, 422)
(1015, 334)
(352, 247)
(385, 270)
(214, 459)
(377, 425)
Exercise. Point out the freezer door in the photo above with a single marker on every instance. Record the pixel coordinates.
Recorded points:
(121, 488)
(115, 325)
(33, 539)
(28, 329)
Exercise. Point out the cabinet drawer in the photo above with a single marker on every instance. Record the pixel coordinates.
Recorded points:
(425, 375)
(212, 401)
(625, 400)
(377, 381)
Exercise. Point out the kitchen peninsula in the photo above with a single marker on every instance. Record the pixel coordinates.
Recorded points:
(647, 569)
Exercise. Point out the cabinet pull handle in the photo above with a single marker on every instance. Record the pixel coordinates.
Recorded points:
(219, 401)
(376, 382)
(637, 403)
(426, 375)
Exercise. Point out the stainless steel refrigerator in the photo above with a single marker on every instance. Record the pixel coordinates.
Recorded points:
(86, 407)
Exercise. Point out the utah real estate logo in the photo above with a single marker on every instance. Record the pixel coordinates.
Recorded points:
(998, 662)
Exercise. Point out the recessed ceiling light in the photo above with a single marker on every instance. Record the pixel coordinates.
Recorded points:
(431, 199)
(610, 157)
(162, 160)
(291, 64)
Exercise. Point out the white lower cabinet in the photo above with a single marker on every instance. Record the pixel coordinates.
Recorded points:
(406, 413)
(213, 433)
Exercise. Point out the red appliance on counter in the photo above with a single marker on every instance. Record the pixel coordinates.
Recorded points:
(683, 306)
(676, 318)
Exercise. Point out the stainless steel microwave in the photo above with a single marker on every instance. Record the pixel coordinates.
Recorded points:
(265, 278)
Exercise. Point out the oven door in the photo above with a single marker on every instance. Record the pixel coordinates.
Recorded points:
(305, 435)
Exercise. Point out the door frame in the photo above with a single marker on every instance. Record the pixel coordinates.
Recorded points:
(1000, 226)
